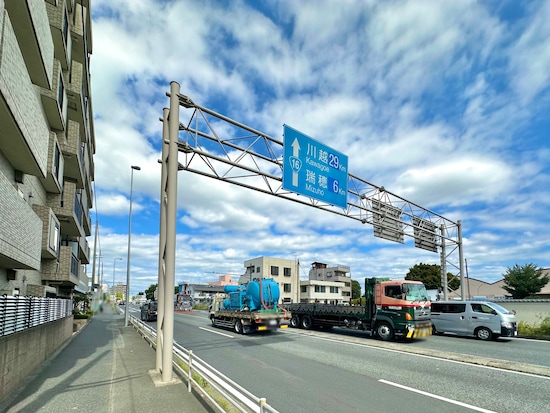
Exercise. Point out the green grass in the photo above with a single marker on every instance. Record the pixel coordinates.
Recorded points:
(535, 330)
(222, 402)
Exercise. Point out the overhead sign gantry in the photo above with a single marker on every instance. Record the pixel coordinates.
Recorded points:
(300, 169)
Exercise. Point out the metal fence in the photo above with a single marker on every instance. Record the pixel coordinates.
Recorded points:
(19, 313)
(197, 372)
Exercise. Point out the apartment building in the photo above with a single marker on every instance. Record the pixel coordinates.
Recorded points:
(325, 292)
(331, 274)
(47, 146)
(284, 272)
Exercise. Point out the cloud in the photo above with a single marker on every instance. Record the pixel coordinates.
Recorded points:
(443, 103)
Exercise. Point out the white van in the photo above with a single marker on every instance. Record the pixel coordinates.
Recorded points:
(482, 319)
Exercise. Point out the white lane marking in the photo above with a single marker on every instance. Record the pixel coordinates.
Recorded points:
(216, 332)
(435, 396)
(520, 373)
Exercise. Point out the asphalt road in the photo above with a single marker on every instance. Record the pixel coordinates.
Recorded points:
(300, 372)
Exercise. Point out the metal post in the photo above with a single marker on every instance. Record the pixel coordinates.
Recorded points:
(263, 402)
(99, 277)
(443, 264)
(171, 207)
(461, 259)
(113, 286)
(162, 240)
(126, 303)
(190, 372)
(95, 255)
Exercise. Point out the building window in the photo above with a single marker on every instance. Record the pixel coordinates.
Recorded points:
(334, 290)
(54, 238)
(303, 288)
(287, 288)
(319, 288)
(329, 274)
(65, 28)
(274, 270)
(287, 272)
(60, 93)
(257, 269)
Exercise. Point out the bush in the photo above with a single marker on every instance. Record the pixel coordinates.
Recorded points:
(535, 330)
(544, 328)
(82, 316)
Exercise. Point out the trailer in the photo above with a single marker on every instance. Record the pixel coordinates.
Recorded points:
(393, 309)
(250, 308)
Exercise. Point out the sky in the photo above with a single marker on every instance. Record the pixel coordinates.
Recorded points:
(443, 103)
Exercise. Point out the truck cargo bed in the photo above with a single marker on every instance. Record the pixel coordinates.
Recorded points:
(327, 309)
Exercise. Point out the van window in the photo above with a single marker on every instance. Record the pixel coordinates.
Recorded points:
(482, 308)
(448, 308)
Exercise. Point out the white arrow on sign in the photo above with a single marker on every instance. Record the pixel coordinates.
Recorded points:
(295, 162)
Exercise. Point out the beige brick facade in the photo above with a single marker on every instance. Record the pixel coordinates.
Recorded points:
(46, 146)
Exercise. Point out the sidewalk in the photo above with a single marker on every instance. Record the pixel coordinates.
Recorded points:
(103, 368)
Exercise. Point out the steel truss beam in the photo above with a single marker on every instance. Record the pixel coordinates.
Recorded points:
(218, 147)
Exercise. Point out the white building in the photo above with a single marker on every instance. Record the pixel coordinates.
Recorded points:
(326, 284)
(284, 272)
(332, 274)
(326, 292)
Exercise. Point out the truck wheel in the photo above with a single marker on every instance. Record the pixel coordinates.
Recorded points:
(384, 331)
(295, 321)
(238, 327)
(483, 333)
(307, 322)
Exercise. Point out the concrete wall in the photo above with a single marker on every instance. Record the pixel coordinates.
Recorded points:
(531, 313)
(21, 354)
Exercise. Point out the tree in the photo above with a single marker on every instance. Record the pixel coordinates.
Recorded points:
(150, 292)
(430, 275)
(355, 289)
(524, 281)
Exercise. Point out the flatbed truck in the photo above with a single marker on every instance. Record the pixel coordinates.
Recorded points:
(249, 308)
(393, 309)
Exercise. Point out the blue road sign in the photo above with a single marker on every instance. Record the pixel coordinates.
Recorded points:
(313, 169)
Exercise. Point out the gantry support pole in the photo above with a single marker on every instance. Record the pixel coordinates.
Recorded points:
(162, 240)
(170, 256)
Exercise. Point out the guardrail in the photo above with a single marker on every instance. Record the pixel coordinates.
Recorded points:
(20, 313)
(209, 382)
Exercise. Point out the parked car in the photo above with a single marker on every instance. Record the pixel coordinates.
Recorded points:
(482, 319)
(149, 311)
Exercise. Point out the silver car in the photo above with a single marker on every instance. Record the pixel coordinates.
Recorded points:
(482, 319)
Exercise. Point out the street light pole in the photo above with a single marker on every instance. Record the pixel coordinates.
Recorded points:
(126, 318)
(113, 286)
